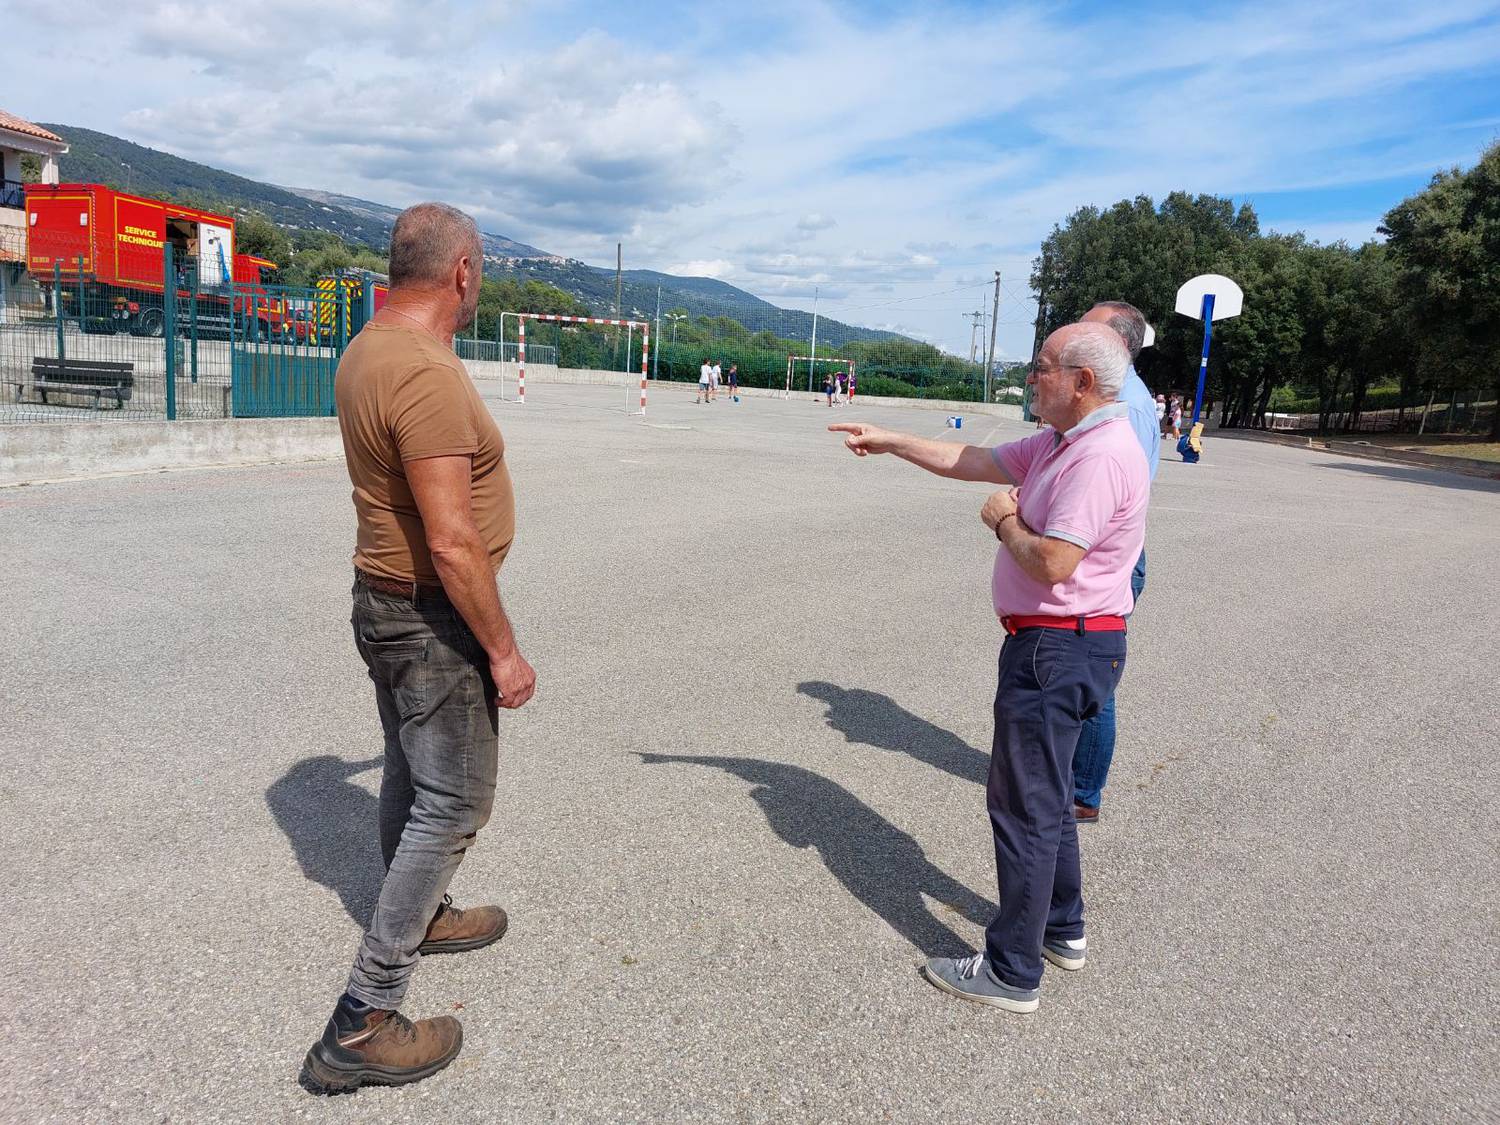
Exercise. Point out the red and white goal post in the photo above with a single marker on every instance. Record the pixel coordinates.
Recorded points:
(603, 322)
(793, 360)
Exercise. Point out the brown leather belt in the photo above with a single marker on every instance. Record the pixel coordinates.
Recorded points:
(395, 585)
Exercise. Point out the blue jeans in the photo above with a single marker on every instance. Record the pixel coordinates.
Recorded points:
(1096, 743)
(1051, 682)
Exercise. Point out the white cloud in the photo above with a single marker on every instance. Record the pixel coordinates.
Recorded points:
(578, 140)
(711, 267)
(884, 162)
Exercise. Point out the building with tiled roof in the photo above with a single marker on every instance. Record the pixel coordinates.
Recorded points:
(9, 122)
(20, 138)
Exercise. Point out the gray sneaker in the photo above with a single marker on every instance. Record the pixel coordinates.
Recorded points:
(1070, 954)
(972, 979)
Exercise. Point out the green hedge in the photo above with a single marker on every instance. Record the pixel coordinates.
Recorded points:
(1284, 401)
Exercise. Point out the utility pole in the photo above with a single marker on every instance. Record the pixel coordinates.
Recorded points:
(976, 317)
(989, 367)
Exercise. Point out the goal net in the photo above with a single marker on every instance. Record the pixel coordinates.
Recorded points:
(635, 388)
(812, 362)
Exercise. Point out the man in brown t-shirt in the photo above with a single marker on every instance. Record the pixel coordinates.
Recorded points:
(436, 516)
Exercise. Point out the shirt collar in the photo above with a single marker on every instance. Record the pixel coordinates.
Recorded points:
(1096, 418)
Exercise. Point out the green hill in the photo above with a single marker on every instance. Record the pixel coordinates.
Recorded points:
(100, 158)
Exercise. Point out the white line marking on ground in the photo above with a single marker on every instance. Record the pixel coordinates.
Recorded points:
(995, 429)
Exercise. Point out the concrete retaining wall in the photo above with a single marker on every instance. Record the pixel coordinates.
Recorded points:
(57, 451)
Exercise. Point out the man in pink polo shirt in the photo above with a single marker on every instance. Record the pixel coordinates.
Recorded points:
(1070, 534)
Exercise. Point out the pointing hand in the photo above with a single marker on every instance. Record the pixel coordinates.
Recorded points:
(865, 439)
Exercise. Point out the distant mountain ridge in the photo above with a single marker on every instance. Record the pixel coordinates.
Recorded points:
(95, 157)
(385, 217)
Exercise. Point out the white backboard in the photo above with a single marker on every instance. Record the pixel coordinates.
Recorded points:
(1229, 299)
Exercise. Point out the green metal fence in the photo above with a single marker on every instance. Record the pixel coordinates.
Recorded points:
(73, 346)
(284, 359)
(185, 341)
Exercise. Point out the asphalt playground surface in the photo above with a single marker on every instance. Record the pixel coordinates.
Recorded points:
(747, 799)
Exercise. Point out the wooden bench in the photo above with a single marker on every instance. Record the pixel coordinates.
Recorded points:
(100, 378)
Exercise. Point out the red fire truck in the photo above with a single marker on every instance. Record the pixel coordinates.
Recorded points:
(103, 250)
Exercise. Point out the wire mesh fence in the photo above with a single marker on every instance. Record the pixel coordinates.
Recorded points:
(75, 343)
(161, 332)
(681, 345)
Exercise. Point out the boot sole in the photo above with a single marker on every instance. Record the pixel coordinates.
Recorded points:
(331, 1076)
(463, 945)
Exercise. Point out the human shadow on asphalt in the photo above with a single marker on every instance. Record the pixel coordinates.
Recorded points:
(332, 826)
(880, 865)
(878, 720)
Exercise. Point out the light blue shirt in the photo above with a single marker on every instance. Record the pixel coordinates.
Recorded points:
(1142, 417)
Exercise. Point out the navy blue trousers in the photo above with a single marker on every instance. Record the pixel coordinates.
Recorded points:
(1051, 680)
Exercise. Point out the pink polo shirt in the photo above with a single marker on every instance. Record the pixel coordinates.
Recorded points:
(1088, 486)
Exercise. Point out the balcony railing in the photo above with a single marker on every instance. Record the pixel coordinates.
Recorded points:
(12, 193)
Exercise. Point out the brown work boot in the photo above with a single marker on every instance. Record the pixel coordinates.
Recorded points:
(458, 931)
(364, 1046)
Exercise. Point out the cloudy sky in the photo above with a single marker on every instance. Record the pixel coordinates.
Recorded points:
(892, 156)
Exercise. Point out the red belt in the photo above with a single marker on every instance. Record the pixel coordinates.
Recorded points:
(1079, 625)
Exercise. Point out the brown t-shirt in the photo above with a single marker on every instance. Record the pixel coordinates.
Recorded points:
(401, 397)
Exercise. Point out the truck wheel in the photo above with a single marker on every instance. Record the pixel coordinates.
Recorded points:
(148, 323)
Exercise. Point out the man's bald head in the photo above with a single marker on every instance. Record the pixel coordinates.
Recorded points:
(427, 243)
(1128, 322)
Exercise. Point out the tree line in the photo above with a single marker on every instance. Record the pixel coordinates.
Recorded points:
(1385, 324)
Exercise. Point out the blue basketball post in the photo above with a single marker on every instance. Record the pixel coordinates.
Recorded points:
(1208, 333)
(1210, 297)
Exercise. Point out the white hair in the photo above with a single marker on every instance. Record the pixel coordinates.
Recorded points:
(1099, 348)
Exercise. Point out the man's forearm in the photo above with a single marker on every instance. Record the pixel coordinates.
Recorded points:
(1025, 546)
(464, 570)
(949, 459)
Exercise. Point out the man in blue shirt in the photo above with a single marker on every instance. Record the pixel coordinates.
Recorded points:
(1096, 742)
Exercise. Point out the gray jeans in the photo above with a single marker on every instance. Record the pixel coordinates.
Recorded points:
(436, 701)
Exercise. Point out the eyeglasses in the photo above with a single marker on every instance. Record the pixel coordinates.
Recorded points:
(1048, 368)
